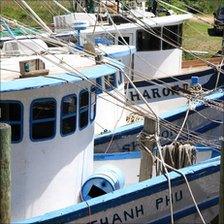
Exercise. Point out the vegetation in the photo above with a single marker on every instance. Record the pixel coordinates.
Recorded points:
(196, 38)
(46, 9)
(195, 32)
(205, 6)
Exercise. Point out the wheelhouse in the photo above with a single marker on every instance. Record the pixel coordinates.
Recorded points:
(52, 114)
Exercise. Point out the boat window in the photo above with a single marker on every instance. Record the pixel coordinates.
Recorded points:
(172, 34)
(43, 119)
(122, 42)
(110, 82)
(11, 112)
(99, 85)
(146, 41)
(68, 114)
(120, 77)
(93, 103)
(83, 108)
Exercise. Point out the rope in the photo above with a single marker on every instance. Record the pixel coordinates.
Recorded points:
(136, 109)
(186, 181)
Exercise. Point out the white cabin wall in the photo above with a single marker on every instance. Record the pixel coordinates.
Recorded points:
(157, 64)
(40, 168)
(110, 113)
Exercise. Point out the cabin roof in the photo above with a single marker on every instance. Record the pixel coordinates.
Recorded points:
(152, 22)
(74, 65)
(117, 51)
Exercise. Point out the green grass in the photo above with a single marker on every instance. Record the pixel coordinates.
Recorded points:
(46, 9)
(195, 33)
(196, 38)
(205, 6)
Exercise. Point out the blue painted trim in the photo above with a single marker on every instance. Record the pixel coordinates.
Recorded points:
(117, 155)
(121, 52)
(128, 194)
(207, 127)
(118, 133)
(183, 77)
(91, 72)
(136, 154)
(136, 127)
(186, 212)
(83, 109)
(92, 104)
(21, 122)
(39, 100)
(62, 116)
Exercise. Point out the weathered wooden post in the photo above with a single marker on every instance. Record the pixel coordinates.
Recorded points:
(5, 173)
(221, 186)
(146, 159)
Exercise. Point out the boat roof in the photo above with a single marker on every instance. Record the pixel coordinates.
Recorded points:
(116, 51)
(152, 22)
(63, 68)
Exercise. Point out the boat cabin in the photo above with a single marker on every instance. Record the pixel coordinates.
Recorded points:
(157, 40)
(50, 102)
(157, 44)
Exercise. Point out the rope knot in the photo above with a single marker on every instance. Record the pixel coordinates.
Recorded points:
(144, 137)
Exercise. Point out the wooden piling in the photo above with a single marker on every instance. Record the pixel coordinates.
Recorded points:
(221, 186)
(146, 159)
(5, 173)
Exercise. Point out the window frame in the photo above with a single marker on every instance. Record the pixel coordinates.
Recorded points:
(92, 104)
(120, 40)
(45, 119)
(83, 110)
(120, 78)
(112, 86)
(99, 90)
(16, 122)
(62, 117)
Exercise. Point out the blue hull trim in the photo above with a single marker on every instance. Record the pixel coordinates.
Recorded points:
(137, 154)
(128, 194)
(135, 128)
(186, 212)
(209, 85)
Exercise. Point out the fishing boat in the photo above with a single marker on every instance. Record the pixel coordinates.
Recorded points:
(44, 156)
(113, 84)
(52, 120)
(48, 97)
(120, 147)
(156, 67)
(53, 113)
